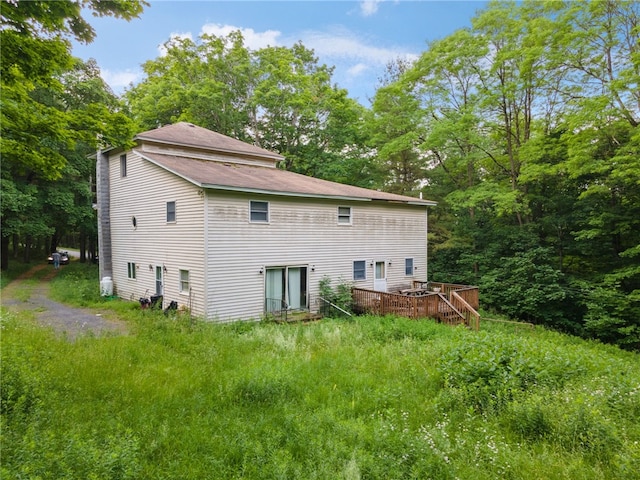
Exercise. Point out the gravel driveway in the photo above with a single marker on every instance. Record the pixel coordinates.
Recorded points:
(69, 321)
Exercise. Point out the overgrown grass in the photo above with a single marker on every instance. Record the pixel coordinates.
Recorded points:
(15, 270)
(367, 398)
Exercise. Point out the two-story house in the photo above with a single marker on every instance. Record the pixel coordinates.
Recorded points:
(212, 223)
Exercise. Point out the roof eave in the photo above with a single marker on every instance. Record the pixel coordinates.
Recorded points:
(282, 193)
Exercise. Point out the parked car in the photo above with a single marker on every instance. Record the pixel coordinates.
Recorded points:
(64, 258)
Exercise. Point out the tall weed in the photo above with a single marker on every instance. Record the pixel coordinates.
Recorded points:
(369, 398)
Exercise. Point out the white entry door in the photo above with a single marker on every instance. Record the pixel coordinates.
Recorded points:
(380, 277)
(158, 280)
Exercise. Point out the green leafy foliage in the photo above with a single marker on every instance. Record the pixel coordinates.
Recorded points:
(532, 121)
(279, 98)
(339, 295)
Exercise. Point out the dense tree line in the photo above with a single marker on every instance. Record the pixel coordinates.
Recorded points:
(524, 127)
(55, 110)
(531, 132)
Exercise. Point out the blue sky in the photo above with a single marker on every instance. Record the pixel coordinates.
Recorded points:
(357, 37)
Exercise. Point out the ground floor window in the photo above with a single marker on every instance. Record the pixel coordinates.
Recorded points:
(359, 270)
(408, 266)
(286, 288)
(131, 270)
(184, 281)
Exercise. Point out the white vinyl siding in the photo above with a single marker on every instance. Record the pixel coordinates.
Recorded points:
(304, 232)
(152, 243)
(225, 260)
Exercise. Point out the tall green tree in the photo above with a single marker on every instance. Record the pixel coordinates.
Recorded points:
(279, 98)
(36, 130)
(395, 131)
(531, 145)
(206, 82)
(601, 50)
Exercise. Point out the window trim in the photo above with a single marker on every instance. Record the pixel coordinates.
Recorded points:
(131, 270)
(175, 214)
(252, 211)
(342, 216)
(123, 165)
(409, 269)
(364, 270)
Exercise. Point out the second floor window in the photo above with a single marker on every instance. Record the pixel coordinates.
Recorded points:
(171, 212)
(344, 215)
(123, 165)
(259, 211)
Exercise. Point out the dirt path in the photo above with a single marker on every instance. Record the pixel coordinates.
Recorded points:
(69, 321)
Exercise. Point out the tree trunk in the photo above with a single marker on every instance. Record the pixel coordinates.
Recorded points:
(4, 262)
(83, 248)
(26, 257)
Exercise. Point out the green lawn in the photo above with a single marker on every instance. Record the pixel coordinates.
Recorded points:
(377, 398)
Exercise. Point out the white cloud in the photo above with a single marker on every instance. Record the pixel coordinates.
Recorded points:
(357, 70)
(252, 39)
(118, 80)
(369, 7)
(344, 45)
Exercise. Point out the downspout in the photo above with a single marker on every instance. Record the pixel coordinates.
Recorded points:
(104, 215)
(206, 293)
(426, 240)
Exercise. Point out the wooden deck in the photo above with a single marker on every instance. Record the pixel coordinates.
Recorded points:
(445, 302)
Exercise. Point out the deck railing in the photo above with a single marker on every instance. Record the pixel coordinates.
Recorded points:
(276, 309)
(447, 303)
(471, 315)
(469, 293)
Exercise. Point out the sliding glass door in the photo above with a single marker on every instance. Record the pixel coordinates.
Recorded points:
(286, 288)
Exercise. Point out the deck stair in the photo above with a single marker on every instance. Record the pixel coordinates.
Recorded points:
(451, 304)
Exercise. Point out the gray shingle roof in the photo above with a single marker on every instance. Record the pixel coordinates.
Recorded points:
(232, 176)
(243, 177)
(189, 135)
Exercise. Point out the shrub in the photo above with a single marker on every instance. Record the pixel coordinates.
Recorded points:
(340, 296)
(488, 371)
